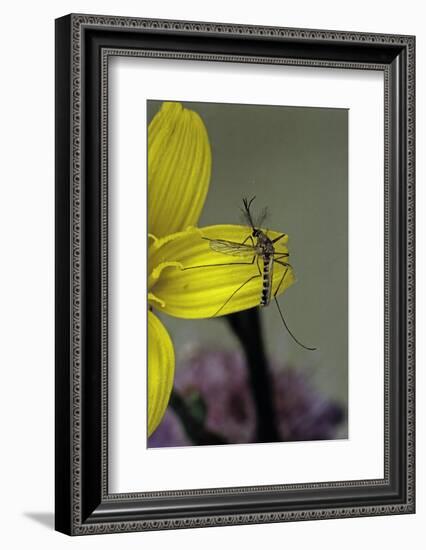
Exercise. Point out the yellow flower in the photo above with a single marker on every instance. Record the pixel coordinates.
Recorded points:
(200, 292)
(179, 166)
(186, 278)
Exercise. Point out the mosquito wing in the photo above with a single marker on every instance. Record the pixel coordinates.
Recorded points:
(232, 248)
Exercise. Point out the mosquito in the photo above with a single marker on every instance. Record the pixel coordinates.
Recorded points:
(262, 250)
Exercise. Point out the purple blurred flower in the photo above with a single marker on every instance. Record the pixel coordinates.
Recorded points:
(170, 432)
(216, 383)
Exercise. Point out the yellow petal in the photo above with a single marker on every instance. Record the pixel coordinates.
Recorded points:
(161, 365)
(152, 298)
(179, 167)
(206, 288)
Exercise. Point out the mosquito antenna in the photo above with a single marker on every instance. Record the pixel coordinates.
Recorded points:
(289, 331)
(246, 211)
(262, 217)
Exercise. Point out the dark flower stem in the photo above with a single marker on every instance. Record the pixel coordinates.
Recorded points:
(246, 325)
(195, 430)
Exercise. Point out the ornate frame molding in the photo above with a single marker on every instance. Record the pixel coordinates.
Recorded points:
(85, 507)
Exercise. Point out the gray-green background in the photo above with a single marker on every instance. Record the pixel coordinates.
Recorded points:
(295, 160)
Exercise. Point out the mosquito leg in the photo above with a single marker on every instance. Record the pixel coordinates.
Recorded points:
(281, 255)
(284, 264)
(258, 266)
(233, 294)
(247, 238)
(279, 237)
(220, 265)
(289, 331)
(279, 309)
(281, 282)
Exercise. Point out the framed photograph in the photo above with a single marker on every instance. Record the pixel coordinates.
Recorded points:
(234, 274)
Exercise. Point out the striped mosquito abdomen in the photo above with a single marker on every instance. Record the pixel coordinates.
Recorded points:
(265, 250)
(267, 277)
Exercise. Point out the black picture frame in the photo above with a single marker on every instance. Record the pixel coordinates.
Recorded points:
(83, 504)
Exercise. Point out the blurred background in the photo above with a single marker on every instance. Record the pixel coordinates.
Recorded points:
(295, 160)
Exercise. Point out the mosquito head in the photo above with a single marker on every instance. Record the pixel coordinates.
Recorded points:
(247, 213)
